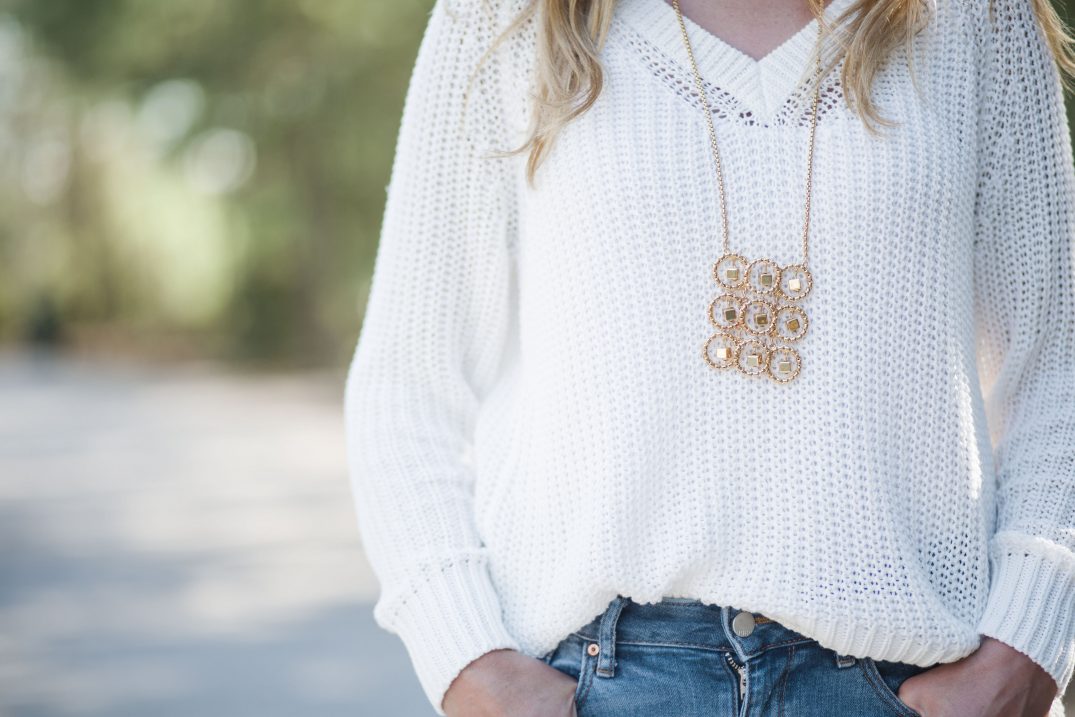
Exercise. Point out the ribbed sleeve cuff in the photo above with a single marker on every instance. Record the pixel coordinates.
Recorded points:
(447, 620)
(1031, 603)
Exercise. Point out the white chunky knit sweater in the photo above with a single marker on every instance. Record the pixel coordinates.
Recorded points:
(531, 425)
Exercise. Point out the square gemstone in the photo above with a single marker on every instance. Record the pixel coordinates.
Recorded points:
(766, 279)
(792, 324)
(785, 366)
(731, 274)
(752, 360)
(762, 319)
(729, 314)
(795, 284)
(724, 353)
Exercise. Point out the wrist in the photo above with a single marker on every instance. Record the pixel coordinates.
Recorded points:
(1011, 661)
(478, 678)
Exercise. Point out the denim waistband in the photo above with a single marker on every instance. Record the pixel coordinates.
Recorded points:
(682, 622)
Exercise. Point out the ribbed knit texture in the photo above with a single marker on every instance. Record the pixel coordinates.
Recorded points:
(532, 428)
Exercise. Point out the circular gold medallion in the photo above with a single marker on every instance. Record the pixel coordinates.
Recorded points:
(791, 322)
(752, 357)
(758, 317)
(795, 281)
(784, 364)
(720, 350)
(763, 275)
(730, 271)
(726, 311)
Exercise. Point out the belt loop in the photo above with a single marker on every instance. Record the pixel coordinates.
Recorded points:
(606, 636)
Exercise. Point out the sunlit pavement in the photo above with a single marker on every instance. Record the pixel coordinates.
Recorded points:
(182, 542)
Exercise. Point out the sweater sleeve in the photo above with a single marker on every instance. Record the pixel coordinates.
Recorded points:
(1024, 278)
(438, 315)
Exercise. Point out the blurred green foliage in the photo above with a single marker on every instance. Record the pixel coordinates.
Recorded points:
(199, 175)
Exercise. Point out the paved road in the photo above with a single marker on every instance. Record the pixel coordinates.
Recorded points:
(180, 542)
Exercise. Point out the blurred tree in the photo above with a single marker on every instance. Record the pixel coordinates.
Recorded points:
(200, 169)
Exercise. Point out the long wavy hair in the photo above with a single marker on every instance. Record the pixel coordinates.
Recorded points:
(569, 76)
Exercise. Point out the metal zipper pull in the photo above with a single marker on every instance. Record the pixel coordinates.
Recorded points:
(741, 671)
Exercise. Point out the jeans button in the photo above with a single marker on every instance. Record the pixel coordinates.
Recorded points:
(743, 623)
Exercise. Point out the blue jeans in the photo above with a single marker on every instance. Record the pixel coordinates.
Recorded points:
(683, 658)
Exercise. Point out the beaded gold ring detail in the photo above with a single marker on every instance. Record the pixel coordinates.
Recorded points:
(726, 311)
(784, 364)
(763, 275)
(795, 282)
(791, 322)
(752, 357)
(758, 317)
(721, 350)
(730, 270)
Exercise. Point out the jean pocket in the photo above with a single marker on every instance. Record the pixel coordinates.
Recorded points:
(886, 677)
(573, 658)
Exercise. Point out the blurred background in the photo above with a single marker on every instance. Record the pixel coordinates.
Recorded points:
(190, 199)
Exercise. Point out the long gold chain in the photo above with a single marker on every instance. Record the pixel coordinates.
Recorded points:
(757, 315)
(698, 83)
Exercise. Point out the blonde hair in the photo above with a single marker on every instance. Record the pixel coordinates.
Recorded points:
(569, 76)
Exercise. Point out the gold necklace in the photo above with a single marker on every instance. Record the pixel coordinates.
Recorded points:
(748, 327)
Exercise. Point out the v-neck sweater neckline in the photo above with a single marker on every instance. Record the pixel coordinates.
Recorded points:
(762, 85)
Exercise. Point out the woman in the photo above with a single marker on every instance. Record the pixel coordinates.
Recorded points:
(744, 384)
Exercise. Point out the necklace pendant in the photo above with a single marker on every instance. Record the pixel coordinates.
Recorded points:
(753, 324)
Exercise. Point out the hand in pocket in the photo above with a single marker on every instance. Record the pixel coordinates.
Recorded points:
(507, 683)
